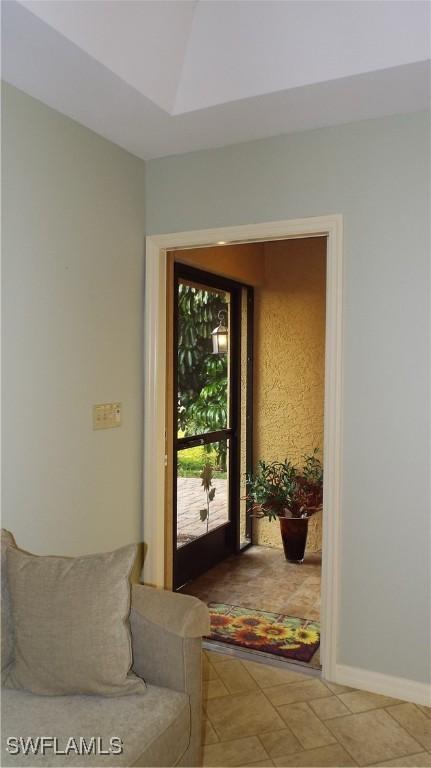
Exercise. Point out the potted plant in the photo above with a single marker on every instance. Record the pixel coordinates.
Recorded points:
(291, 494)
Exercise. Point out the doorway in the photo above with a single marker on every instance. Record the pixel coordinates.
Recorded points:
(211, 388)
(156, 535)
(289, 345)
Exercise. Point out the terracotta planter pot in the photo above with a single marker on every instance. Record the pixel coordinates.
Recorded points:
(294, 535)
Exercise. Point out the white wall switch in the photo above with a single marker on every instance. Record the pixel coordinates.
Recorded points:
(106, 415)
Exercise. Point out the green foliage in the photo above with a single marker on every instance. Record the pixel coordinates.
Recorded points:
(202, 376)
(279, 489)
(313, 470)
(190, 461)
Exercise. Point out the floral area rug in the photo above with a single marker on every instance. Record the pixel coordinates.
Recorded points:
(256, 630)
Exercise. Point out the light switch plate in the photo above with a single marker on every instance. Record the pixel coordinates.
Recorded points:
(106, 415)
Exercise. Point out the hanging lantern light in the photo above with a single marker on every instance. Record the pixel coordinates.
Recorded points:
(220, 336)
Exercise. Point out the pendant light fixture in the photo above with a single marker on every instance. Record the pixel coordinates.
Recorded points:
(220, 336)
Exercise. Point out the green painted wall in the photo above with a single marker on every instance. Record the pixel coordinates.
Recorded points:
(73, 229)
(375, 173)
(72, 281)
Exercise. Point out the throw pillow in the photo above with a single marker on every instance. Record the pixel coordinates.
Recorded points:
(71, 623)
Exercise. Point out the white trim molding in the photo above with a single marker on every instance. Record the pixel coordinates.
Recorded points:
(154, 414)
(385, 685)
(330, 226)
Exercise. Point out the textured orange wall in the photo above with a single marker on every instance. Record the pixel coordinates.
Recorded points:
(244, 262)
(289, 361)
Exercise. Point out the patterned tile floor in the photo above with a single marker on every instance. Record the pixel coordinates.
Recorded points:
(258, 715)
(262, 578)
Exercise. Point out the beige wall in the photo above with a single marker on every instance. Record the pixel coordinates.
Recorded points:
(289, 361)
(73, 246)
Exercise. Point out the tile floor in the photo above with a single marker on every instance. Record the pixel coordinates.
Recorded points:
(262, 578)
(258, 715)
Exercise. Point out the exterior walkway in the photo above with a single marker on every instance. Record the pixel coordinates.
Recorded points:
(191, 497)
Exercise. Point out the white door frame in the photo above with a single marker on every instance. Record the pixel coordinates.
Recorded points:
(155, 393)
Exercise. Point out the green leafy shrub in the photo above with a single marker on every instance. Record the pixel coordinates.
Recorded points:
(202, 376)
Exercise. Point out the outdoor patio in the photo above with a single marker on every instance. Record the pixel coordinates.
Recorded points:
(191, 497)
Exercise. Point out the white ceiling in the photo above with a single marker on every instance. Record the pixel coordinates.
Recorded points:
(171, 76)
(144, 43)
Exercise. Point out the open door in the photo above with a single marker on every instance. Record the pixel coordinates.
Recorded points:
(212, 365)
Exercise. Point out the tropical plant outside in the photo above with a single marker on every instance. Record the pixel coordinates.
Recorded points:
(191, 461)
(202, 376)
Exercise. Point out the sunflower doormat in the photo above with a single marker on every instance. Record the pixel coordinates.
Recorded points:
(256, 630)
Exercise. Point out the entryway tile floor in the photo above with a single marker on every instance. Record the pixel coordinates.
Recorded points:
(261, 578)
(260, 715)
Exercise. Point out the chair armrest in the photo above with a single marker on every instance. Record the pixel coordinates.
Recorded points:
(167, 631)
(164, 626)
(181, 615)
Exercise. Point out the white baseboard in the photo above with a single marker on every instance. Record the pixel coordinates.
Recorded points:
(386, 685)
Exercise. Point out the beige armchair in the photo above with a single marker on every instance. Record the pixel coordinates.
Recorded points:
(167, 631)
(160, 728)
